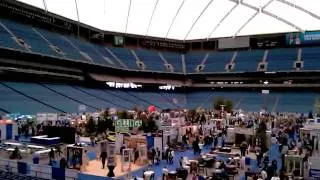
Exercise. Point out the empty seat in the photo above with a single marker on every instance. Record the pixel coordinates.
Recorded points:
(281, 59)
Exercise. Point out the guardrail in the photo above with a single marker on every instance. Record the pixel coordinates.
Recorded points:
(40, 171)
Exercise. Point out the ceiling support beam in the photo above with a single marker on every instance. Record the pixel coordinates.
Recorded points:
(128, 15)
(150, 20)
(299, 8)
(195, 22)
(246, 23)
(262, 10)
(45, 5)
(220, 22)
(174, 18)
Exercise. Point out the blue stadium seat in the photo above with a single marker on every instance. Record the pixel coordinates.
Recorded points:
(7, 41)
(217, 61)
(125, 56)
(296, 102)
(174, 59)
(62, 44)
(151, 59)
(193, 59)
(247, 61)
(92, 103)
(88, 48)
(25, 32)
(18, 103)
(45, 96)
(111, 101)
(30, 98)
(311, 58)
(281, 59)
(111, 61)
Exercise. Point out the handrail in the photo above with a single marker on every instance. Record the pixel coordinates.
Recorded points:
(5, 165)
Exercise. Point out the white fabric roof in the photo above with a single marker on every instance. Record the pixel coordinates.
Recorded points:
(190, 19)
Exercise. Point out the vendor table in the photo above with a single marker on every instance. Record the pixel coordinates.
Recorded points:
(35, 147)
(11, 150)
(12, 144)
(172, 175)
(45, 140)
(148, 175)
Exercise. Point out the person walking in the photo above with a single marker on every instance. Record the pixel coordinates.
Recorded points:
(171, 156)
(51, 155)
(103, 157)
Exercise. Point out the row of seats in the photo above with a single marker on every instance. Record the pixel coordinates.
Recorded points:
(32, 98)
(255, 101)
(68, 47)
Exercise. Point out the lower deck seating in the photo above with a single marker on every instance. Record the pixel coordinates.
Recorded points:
(32, 98)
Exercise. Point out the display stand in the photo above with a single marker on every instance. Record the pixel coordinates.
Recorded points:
(75, 157)
(126, 160)
(142, 155)
(293, 163)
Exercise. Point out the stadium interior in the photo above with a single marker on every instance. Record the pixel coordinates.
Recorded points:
(59, 55)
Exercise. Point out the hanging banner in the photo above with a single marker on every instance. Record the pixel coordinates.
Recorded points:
(297, 38)
(41, 117)
(82, 108)
(52, 116)
(125, 125)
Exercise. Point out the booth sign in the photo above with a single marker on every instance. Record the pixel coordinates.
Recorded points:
(124, 125)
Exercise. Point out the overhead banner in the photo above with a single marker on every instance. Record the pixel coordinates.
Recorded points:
(298, 38)
(124, 125)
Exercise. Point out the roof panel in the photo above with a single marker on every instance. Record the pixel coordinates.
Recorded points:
(210, 18)
(188, 14)
(87, 16)
(310, 5)
(36, 3)
(256, 3)
(238, 17)
(66, 8)
(116, 15)
(264, 24)
(112, 15)
(300, 19)
(139, 17)
(163, 16)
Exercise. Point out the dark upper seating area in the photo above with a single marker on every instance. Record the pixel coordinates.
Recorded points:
(30, 39)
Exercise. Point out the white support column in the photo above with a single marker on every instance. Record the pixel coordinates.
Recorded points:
(299, 54)
(265, 56)
(204, 60)
(184, 69)
(234, 56)
(163, 58)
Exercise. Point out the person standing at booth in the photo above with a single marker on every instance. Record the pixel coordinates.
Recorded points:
(51, 155)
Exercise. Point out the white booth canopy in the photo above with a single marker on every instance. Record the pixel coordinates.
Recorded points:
(190, 19)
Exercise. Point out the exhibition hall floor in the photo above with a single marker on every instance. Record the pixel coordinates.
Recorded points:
(94, 167)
